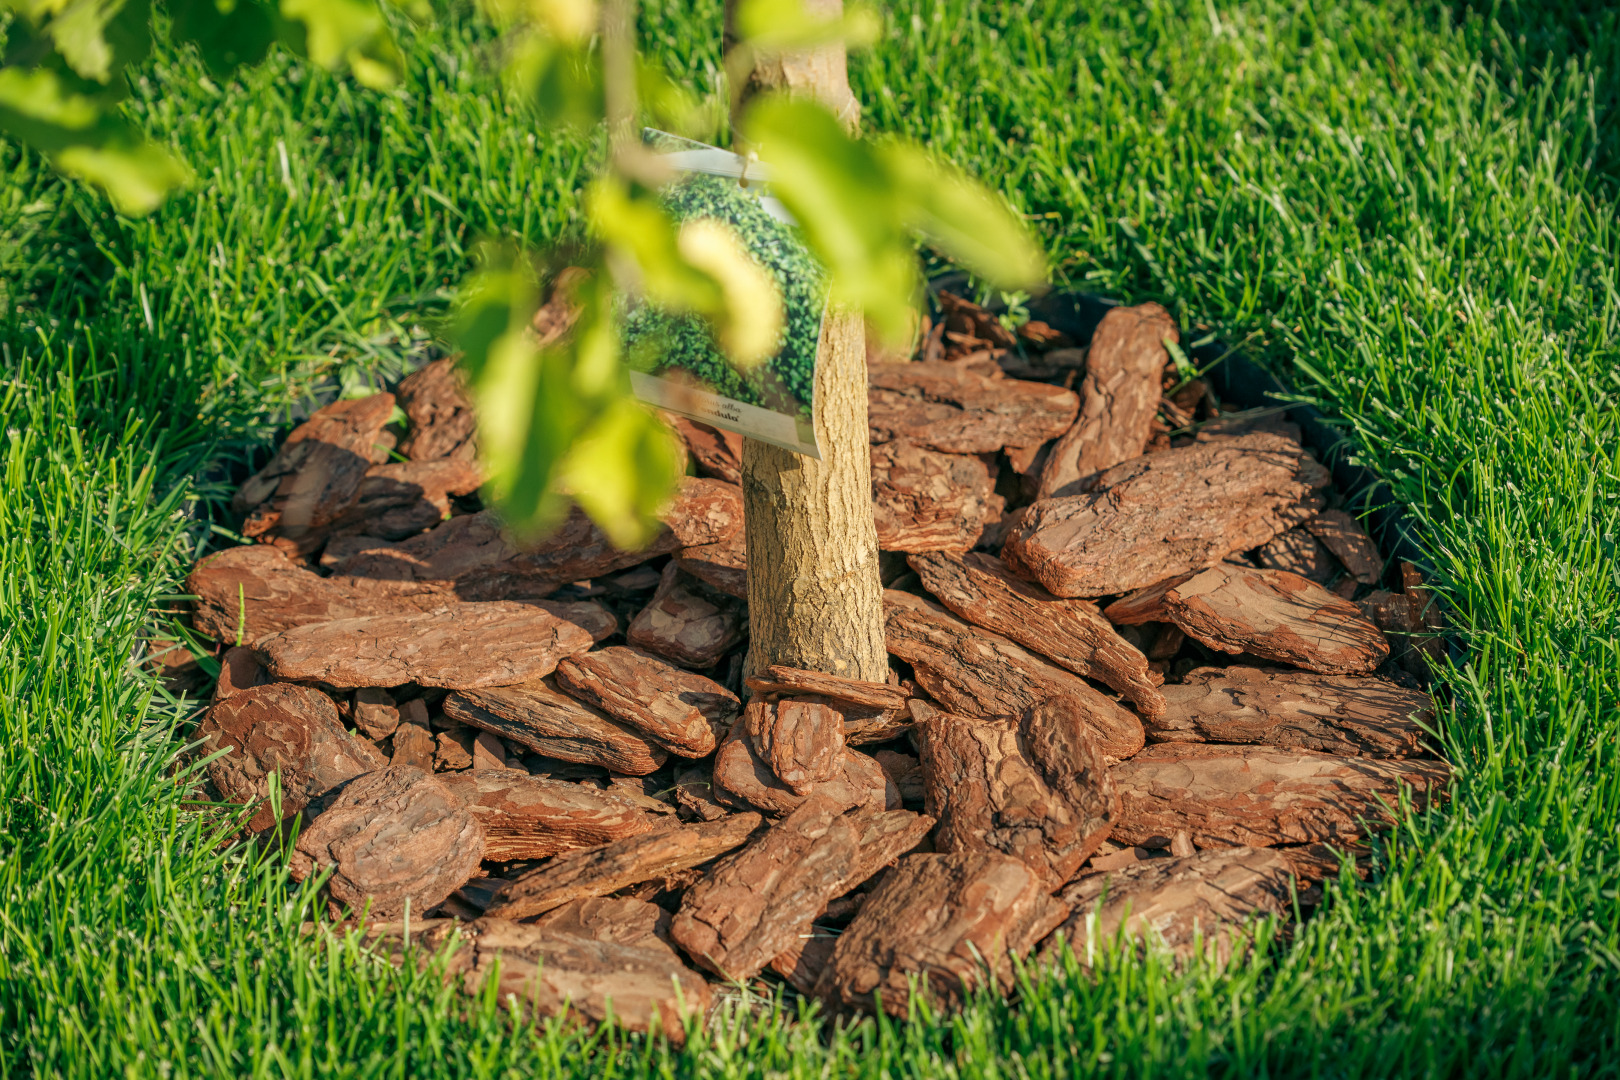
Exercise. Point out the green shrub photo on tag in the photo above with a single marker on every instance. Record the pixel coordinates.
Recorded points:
(674, 360)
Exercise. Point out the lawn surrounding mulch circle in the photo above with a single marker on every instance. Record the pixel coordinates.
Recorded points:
(1402, 202)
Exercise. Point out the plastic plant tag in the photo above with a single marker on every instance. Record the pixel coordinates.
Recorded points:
(674, 361)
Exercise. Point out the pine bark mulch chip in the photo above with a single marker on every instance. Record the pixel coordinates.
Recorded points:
(394, 836)
(1333, 714)
(923, 500)
(802, 741)
(945, 407)
(458, 647)
(947, 917)
(722, 565)
(400, 498)
(376, 714)
(540, 717)
(1165, 514)
(1118, 399)
(1348, 541)
(442, 424)
(1299, 552)
(871, 712)
(557, 972)
(679, 710)
(530, 817)
(606, 869)
(293, 730)
(687, 622)
(239, 670)
(1277, 616)
(1261, 796)
(474, 555)
(1037, 789)
(1177, 904)
(618, 919)
(717, 453)
(754, 903)
(315, 474)
(280, 594)
(974, 672)
(744, 779)
(979, 588)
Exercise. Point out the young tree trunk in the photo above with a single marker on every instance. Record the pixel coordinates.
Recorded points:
(814, 597)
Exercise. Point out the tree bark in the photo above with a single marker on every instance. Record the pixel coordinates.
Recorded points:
(814, 597)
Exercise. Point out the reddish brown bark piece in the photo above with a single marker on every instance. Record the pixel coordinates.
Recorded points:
(946, 917)
(970, 327)
(945, 407)
(679, 710)
(743, 778)
(717, 453)
(280, 594)
(1343, 535)
(923, 500)
(1166, 514)
(974, 672)
(316, 473)
(617, 919)
(553, 972)
(883, 838)
(694, 793)
(1225, 796)
(1118, 399)
(239, 670)
(400, 498)
(453, 750)
(687, 621)
(375, 713)
(989, 792)
(601, 870)
(293, 730)
(442, 424)
(722, 565)
(1334, 714)
(979, 588)
(1277, 616)
(1176, 904)
(551, 723)
(590, 616)
(413, 740)
(871, 712)
(394, 837)
(753, 904)
(802, 741)
(460, 646)
(1298, 552)
(1144, 605)
(797, 682)
(474, 555)
(528, 817)
(643, 986)
(905, 773)
(800, 965)
(488, 753)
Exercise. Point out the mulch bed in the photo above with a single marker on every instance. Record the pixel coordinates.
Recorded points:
(1146, 676)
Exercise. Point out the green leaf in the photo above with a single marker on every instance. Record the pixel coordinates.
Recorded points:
(774, 26)
(82, 139)
(964, 220)
(860, 205)
(623, 470)
(348, 33)
(560, 419)
(98, 38)
(227, 35)
(559, 81)
(840, 191)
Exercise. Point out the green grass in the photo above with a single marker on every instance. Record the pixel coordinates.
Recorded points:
(1409, 208)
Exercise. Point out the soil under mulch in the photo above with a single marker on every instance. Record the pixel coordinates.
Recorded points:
(1145, 674)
